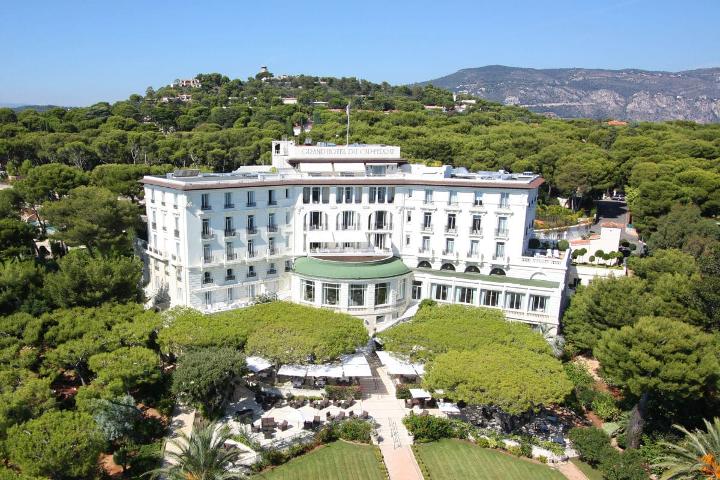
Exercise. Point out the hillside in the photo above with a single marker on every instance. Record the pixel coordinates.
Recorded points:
(595, 93)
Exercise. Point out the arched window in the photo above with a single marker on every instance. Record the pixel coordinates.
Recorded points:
(424, 264)
(497, 271)
(472, 269)
(277, 148)
(448, 266)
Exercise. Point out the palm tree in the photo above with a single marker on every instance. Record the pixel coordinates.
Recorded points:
(201, 456)
(696, 457)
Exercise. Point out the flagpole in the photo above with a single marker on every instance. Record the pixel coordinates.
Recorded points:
(347, 132)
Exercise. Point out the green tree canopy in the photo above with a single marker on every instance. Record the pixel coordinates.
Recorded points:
(512, 378)
(57, 444)
(130, 366)
(49, 182)
(17, 240)
(682, 223)
(204, 377)
(663, 261)
(85, 281)
(93, 217)
(658, 358)
(441, 328)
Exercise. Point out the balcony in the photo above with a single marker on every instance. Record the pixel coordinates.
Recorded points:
(251, 274)
(230, 233)
(251, 254)
(288, 268)
(231, 256)
(207, 235)
(502, 233)
(229, 278)
(449, 253)
(209, 260)
(476, 232)
(229, 205)
(425, 252)
(451, 229)
(272, 203)
(153, 225)
(473, 254)
(205, 207)
(207, 280)
(383, 226)
(316, 227)
(175, 206)
(272, 251)
(251, 230)
(250, 204)
(426, 228)
(176, 233)
(272, 228)
(162, 203)
(272, 271)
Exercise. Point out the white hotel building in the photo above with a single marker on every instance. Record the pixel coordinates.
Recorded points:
(354, 228)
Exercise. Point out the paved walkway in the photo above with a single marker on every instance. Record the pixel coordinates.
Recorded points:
(571, 471)
(182, 421)
(394, 439)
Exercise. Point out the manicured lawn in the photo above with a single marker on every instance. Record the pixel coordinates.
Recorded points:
(589, 471)
(458, 460)
(337, 461)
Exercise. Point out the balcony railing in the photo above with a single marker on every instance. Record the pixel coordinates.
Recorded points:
(231, 256)
(209, 260)
(251, 254)
(250, 204)
(205, 207)
(272, 203)
(207, 280)
(272, 251)
(251, 230)
(153, 225)
(229, 278)
(176, 232)
(207, 235)
(272, 271)
(288, 268)
(229, 205)
(230, 233)
(426, 228)
(383, 226)
(251, 274)
(272, 228)
(449, 229)
(502, 232)
(449, 253)
(473, 254)
(425, 251)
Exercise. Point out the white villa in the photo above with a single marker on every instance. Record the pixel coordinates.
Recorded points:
(354, 228)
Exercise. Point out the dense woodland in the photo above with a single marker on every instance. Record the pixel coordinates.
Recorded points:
(85, 369)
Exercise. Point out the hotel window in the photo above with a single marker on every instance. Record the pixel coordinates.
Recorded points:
(465, 295)
(451, 222)
(315, 195)
(428, 196)
(250, 198)
(251, 272)
(208, 298)
(306, 194)
(207, 278)
(538, 303)
(287, 193)
(474, 248)
(372, 194)
(251, 248)
(357, 295)
(271, 222)
(205, 201)
(229, 230)
(449, 245)
(502, 226)
(504, 200)
(476, 224)
(230, 295)
(390, 194)
(381, 293)
(439, 292)
(207, 256)
(425, 244)
(251, 224)
(416, 290)
(358, 194)
(339, 194)
(308, 290)
(513, 301)
(478, 199)
(205, 227)
(229, 274)
(402, 287)
(330, 293)
(325, 194)
(453, 200)
(229, 251)
(271, 197)
(499, 250)
(490, 298)
(152, 196)
(408, 216)
(251, 291)
(228, 200)
(427, 220)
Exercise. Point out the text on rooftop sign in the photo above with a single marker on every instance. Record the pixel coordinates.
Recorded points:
(357, 152)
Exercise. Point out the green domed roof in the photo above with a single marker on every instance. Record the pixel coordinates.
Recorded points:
(348, 270)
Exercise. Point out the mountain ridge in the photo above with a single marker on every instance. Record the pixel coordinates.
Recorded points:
(628, 94)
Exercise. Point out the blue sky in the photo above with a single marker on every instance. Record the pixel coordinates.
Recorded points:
(80, 52)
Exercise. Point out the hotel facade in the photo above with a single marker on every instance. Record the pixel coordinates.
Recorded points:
(353, 228)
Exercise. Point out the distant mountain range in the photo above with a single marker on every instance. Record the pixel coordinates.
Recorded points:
(18, 107)
(596, 93)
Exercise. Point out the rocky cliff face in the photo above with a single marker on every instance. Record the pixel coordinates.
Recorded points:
(576, 92)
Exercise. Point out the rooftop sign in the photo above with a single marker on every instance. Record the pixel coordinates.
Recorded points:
(342, 151)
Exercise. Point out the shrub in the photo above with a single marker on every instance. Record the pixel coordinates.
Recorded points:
(483, 442)
(604, 406)
(339, 392)
(623, 466)
(273, 457)
(563, 245)
(592, 444)
(355, 430)
(429, 428)
(526, 449)
(427, 303)
(326, 434)
(514, 450)
(542, 459)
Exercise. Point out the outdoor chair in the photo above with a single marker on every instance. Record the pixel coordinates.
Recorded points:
(256, 429)
(268, 435)
(316, 420)
(307, 425)
(351, 414)
(364, 415)
(340, 416)
(284, 425)
(408, 403)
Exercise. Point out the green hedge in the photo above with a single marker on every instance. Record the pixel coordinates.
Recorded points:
(429, 428)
